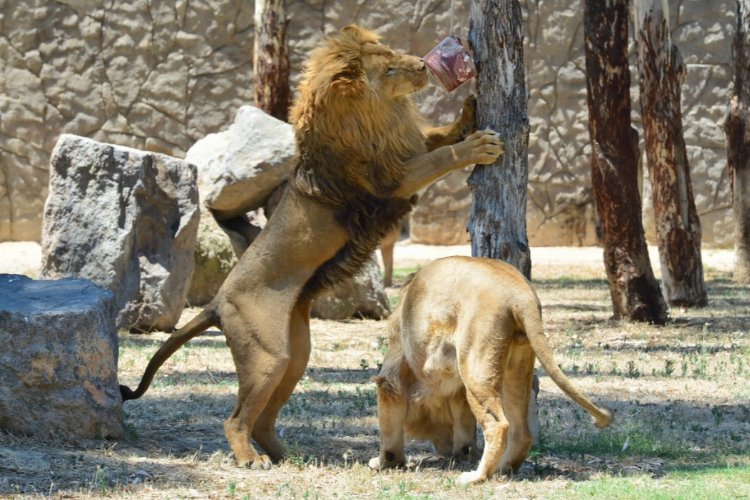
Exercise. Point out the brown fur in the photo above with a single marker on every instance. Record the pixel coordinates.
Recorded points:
(463, 340)
(362, 157)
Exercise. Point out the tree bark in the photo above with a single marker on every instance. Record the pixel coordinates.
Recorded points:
(738, 143)
(271, 59)
(678, 228)
(614, 164)
(497, 222)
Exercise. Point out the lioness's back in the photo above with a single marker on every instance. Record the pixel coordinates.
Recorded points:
(467, 280)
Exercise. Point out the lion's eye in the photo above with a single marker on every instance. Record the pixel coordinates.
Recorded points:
(390, 72)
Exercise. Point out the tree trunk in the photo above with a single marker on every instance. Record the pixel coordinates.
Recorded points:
(614, 164)
(738, 143)
(497, 222)
(678, 229)
(271, 59)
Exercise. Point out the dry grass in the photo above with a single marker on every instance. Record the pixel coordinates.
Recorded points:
(680, 394)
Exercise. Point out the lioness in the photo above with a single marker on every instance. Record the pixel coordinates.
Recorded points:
(462, 345)
(362, 157)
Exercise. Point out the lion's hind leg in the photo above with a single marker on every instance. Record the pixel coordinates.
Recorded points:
(261, 355)
(264, 431)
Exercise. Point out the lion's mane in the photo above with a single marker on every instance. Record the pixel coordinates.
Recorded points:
(352, 142)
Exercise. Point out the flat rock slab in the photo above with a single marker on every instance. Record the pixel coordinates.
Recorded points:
(58, 359)
(127, 220)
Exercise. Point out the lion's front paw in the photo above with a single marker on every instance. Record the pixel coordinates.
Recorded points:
(471, 477)
(374, 463)
(484, 147)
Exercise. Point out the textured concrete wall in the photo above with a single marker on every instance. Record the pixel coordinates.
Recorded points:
(159, 75)
(560, 200)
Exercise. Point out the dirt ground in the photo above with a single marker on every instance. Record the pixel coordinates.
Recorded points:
(680, 393)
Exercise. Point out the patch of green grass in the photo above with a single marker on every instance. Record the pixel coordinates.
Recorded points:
(712, 482)
(571, 282)
(619, 443)
(401, 273)
(401, 490)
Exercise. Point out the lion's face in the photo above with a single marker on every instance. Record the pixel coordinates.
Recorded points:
(392, 74)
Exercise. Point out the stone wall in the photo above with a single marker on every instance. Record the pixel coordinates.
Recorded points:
(160, 75)
(559, 207)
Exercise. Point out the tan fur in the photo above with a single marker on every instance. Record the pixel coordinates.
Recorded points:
(463, 340)
(386, 253)
(362, 156)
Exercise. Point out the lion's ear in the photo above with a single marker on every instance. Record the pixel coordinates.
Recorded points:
(351, 29)
(350, 83)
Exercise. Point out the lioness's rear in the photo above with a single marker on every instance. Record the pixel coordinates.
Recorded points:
(463, 341)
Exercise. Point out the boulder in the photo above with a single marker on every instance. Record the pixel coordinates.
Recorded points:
(238, 171)
(239, 168)
(127, 220)
(214, 258)
(58, 362)
(363, 295)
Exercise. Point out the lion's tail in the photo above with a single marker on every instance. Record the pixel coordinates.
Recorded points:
(196, 326)
(532, 324)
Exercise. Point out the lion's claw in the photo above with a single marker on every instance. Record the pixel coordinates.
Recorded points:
(262, 462)
(485, 146)
(257, 462)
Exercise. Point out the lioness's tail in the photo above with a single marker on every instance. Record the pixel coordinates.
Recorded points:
(532, 324)
(195, 327)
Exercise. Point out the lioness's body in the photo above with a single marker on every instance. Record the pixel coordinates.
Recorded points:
(463, 342)
(362, 156)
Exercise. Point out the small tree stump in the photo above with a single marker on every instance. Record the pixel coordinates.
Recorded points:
(58, 359)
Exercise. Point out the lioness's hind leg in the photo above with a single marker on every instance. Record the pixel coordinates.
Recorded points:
(516, 393)
(264, 431)
(484, 400)
(464, 427)
(482, 376)
(392, 407)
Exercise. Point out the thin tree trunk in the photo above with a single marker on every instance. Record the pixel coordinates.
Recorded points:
(614, 164)
(678, 228)
(497, 222)
(738, 143)
(271, 59)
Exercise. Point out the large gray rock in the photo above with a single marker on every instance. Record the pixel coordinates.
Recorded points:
(58, 362)
(214, 259)
(127, 220)
(239, 168)
(360, 296)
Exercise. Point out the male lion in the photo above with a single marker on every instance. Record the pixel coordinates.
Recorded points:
(462, 345)
(362, 157)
